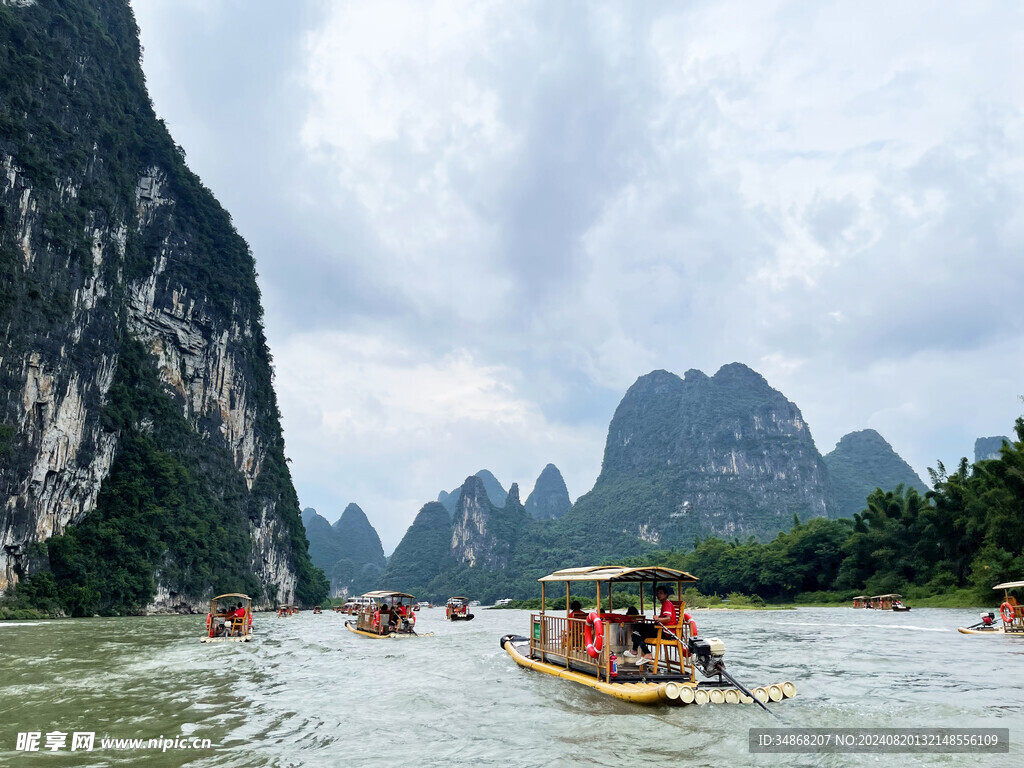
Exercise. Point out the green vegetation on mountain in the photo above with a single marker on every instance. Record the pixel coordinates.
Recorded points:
(422, 554)
(863, 461)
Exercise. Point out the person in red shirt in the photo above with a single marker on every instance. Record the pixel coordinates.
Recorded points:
(642, 632)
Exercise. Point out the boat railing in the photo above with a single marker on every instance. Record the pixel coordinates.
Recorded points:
(559, 640)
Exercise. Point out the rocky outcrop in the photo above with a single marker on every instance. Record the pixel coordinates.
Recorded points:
(106, 238)
(471, 543)
(986, 448)
(550, 498)
(860, 463)
(484, 535)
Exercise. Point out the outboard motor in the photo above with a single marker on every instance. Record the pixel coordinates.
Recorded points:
(707, 654)
(987, 619)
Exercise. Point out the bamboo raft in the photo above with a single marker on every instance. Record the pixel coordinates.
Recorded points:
(675, 693)
(351, 627)
(584, 648)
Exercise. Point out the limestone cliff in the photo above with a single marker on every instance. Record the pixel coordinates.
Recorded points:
(107, 240)
(986, 448)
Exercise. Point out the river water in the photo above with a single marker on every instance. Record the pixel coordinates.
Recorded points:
(306, 692)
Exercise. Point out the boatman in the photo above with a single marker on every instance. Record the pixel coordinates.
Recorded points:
(666, 617)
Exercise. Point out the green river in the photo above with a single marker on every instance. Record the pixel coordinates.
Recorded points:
(306, 692)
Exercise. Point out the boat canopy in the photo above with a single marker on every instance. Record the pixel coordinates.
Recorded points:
(619, 574)
(385, 593)
(1009, 585)
(860, 597)
(232, 594)
(882, 597)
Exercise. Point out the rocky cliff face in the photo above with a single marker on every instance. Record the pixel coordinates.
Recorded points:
(472, 544)
(550, 498)
(725, 455)
(986, 448)
(107, 238)
(860, 463)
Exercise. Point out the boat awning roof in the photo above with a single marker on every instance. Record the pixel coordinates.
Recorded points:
(1009, 585)
(619, 574)
(457, 597)
(386, 593)
(878, 596)
(233, 594)
(860, 597)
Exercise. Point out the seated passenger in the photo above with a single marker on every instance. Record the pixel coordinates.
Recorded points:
(576, 610)
(645, 631)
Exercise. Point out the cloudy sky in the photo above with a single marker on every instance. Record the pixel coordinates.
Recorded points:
(477, 223)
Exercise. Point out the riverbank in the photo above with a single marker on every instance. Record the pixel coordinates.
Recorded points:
(915, 597)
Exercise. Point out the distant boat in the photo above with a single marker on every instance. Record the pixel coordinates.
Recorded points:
(385, 614)
(503, 601)
(227, 622)
(890, 602)
(457, 609)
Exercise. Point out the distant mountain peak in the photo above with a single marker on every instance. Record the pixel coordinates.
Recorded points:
(988, 447)
(550, 498)
(495, 492)
(513, 496)
(862, 461)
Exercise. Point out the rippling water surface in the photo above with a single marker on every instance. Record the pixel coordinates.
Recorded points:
(308, 692)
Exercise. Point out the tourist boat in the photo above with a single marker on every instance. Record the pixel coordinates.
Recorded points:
(385, 614)
(457, 609)
(286, 610)
(1011, 612)
(589, 650)
(888, 603)
(861, 601)
(503, 601)
(317, 609)
(229, 619)
(422, 604)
